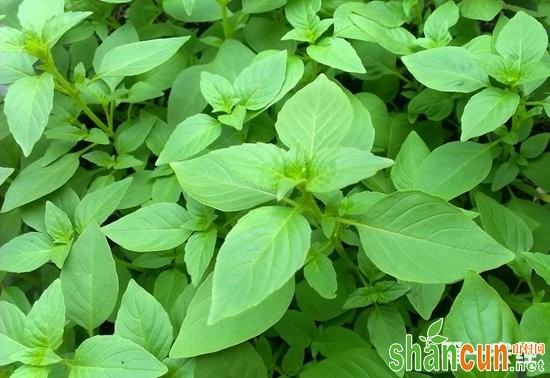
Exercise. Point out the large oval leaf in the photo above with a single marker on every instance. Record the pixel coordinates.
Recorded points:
(260, 254)
(197, 337)
(420, 238)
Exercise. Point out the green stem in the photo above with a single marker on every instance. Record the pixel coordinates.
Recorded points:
(227, 31)
(128, 265)
(531, 289)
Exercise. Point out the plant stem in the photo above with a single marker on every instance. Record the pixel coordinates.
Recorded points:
(227, 31)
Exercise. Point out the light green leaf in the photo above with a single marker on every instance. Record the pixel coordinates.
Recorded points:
(123, 35)
(358, 362)
(533, 327)
(447, 69)
(239, 361)
(337, 53)
(15, 66)
(199, 251)
(169, 284)
(89, 280)
(453, 169)
(333, 340)
(337, 167)
(189, 138)
(540, 262)
(235, 119)
(258, 84)
(129, 136)
(208, 181)
(33, 14)
(486, 111)
(202, 11)
(321, 276)
(113, 356)
(411, 155)
(386, 326)
(296, 328)
(58, 224)
(425, 297)
(143, 320)
(37, 180)
(319, 115)
(97, 205)
(503, 225)
(413, 236)
(25, 252)
(522, 40)
(218, 92)
(27, 106)
(46, 320)
(197, 337)
(138, 57)
(60, 24)
(260, 254)
(155, 227)
(479, 316)
(437, 25)
(261, 6)
(11, 350)
(12, 321)
(484, 10)
(25, 371)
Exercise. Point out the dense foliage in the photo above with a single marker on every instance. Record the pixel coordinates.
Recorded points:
(251, 188)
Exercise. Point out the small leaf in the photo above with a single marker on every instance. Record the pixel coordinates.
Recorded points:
(58, 224)
(486, 111)
(321, 276)
(138, 57)
(25, 252)
(199, 251)
(113, 356)
(144, 321)
(27, 106)
(155, 227)
(218, 92)
(435, 328)
(89, 280)
(447, 69)
(338, 53)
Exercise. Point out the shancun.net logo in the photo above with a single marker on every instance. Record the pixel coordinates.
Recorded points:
(440, 354)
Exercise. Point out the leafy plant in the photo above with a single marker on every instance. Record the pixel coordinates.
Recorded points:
(269, 188)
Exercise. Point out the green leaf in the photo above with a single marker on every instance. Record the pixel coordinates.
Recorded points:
(319, 115)
(411, 155)
(435, 328)
(97, 205)
(386, 326)
(113, 356)
(532, 147)
(503, 225)
(46, 320)
(260, 254)
(203, 10)
(337, 53)
(210, 182)
(27, 106)
(261, 6)
(33, 14)
(437, 25)
(15, 66)
(413, 235)
(155, 227)
(58, 224)
(199, 251)
(321, 276)
(11, 350)
(486, 111)
(168, 286)
(189, 138)
(296, 328)
(333, 340)
(479, 316)
(535, 330)
(12, 321)
(337, 167)
(537, 171)
(540, 262)
(522, 40)
(218, 92)
(26, 252)
(484, 10)
(129, 136)
(453, 169)
(359, 362)
(37, 180)
(258, 84)
(138, 57)
(238, 361)
(89, 280)
(144, 321)
(235, 119)
(60, 24)
(197, 337)
(447, 69)
(425, 297)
